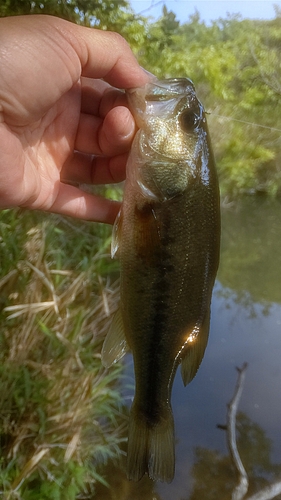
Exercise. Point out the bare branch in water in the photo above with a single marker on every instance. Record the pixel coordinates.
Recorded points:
(241, 489)
(269, 492)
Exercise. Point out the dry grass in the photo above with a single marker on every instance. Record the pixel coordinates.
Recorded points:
(59, 414)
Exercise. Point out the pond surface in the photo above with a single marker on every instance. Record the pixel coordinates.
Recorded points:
(245, 327)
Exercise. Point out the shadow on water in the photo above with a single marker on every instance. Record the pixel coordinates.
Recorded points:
(245, 326)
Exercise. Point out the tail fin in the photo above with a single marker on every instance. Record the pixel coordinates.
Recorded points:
(151, 448)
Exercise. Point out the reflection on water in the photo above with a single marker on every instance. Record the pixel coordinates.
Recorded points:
(245, 326)
(250, 253)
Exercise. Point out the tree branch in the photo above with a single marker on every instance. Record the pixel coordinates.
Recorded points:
(241, 489)
(239, 492)
(267, 493)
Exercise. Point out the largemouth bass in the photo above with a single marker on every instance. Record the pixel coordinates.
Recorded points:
(167, 239)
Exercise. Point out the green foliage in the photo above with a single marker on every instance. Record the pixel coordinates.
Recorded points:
(104, 14)
(60, 8)
(235, 67)
(99, 13)
(59, 409)
(65, 487)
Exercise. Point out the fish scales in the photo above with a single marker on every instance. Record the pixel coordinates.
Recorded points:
(167, 239)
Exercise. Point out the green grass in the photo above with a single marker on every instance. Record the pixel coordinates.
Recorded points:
(60, 410)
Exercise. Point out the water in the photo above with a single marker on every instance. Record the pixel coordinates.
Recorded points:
(245, 327)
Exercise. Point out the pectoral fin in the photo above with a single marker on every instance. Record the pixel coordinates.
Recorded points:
(194, 351)
(115, 345)
(115, 242)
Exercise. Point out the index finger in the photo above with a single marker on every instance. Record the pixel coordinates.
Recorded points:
(107, 55)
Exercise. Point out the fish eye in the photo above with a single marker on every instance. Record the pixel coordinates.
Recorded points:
(190, 119)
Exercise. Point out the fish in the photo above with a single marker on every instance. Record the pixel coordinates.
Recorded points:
(167, 239)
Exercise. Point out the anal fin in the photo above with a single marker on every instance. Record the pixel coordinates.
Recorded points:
(194, 351)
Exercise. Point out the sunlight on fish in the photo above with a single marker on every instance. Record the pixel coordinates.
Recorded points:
(167, 238)
(191, 338)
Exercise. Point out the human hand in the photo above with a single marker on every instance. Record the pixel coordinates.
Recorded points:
(62, 119)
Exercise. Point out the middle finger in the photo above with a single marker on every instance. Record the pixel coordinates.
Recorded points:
(109, 136)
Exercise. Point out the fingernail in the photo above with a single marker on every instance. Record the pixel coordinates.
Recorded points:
(151, 76)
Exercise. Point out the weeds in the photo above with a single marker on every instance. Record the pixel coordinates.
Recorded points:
(59, 409)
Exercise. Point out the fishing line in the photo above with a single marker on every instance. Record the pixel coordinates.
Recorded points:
(245, 122)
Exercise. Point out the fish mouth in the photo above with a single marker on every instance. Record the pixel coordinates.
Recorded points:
(166, 89)
(162, 90)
